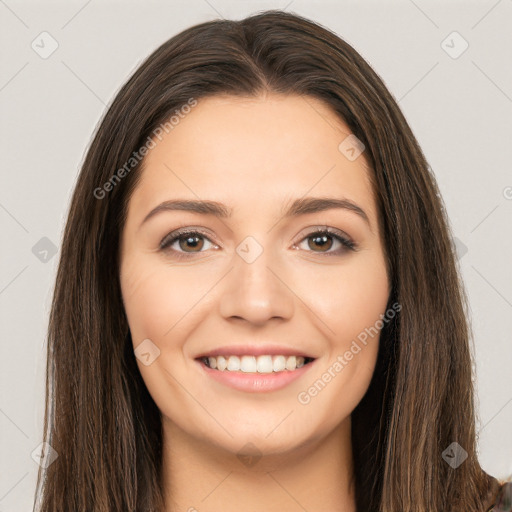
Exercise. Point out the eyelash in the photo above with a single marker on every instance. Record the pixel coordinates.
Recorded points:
(173, 237)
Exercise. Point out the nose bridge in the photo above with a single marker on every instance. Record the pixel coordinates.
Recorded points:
(255, 291)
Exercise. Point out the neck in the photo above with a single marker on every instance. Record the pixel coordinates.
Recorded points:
(200, 477)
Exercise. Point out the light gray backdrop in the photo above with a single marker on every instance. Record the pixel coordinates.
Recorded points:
(447, 63)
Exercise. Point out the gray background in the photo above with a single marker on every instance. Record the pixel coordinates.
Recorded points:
(459, 108)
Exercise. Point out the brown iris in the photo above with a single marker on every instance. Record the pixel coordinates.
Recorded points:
(320, 241)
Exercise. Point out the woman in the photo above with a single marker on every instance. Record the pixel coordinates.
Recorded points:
(257, 303)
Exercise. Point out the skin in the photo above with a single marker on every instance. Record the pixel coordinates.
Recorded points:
(254, 155)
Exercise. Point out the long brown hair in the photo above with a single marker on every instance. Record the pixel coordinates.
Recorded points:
(99, 416)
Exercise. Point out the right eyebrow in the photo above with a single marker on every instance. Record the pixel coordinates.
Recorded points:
(195, 206)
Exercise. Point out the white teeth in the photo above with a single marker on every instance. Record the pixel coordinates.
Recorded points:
(279, 363)
(234, 363)
(264, 364)
(291, 363)
(252, 364)
(248, 364)
(221, 363)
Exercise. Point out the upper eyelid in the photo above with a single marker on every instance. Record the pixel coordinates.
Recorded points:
(310, 231)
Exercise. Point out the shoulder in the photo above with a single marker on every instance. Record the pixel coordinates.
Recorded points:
(503, 501)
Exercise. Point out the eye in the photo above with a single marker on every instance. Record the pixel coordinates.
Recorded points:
(322, 241)
(185, 239)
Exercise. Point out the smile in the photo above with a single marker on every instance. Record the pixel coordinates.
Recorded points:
(255, 374)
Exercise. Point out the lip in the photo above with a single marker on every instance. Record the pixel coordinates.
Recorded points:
(255, 382)
(255, 350)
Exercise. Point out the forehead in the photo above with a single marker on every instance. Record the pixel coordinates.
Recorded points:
(254, 153)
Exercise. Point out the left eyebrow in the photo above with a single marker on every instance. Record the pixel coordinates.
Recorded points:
(306, 205)
(301, 206)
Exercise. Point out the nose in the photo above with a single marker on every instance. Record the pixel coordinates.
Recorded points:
(257, 291)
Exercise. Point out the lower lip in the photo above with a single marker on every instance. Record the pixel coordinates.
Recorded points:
(255, 382)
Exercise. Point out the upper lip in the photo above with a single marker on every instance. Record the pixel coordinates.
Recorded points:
(254, 350)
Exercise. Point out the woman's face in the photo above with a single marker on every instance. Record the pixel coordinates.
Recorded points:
(260, 279)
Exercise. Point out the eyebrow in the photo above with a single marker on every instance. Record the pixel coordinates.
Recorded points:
(301, 206)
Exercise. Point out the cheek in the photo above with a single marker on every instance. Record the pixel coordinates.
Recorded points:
(158, 307)
(147, 299)
(156, 299)
(349, 302)
(348, 299)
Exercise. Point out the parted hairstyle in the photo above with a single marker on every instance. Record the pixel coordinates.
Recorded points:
(99, 416)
